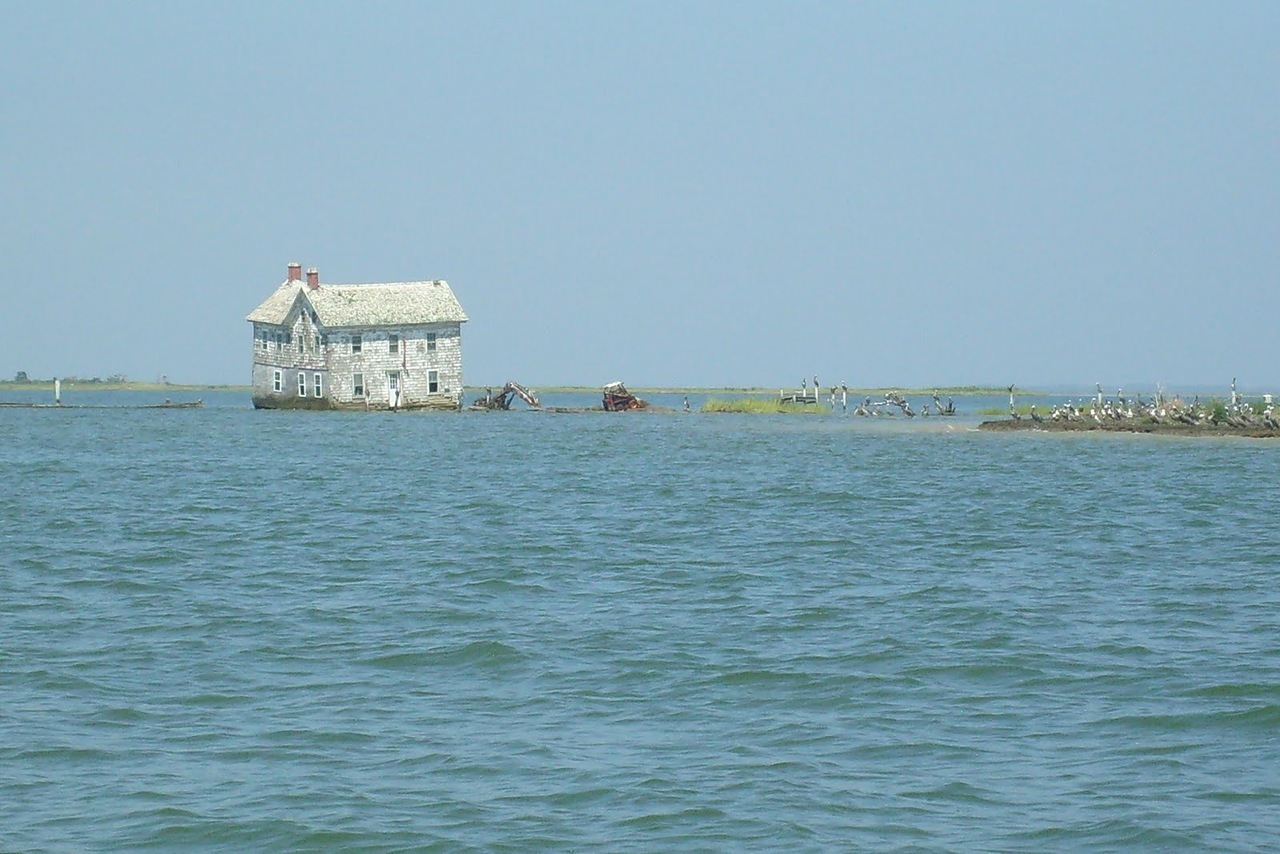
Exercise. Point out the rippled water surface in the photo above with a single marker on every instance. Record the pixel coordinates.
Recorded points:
(228, 629)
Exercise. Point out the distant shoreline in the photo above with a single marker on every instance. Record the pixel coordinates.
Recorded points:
(954, 391)
(1144, 426)
(877, 393)
(86, 385)
(772, 391)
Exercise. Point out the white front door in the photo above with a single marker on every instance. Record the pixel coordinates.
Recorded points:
(393, 389)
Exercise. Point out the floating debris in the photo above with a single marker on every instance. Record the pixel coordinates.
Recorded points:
(618, 399)
(505, 396)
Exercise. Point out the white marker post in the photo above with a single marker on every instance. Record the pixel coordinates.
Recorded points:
(57, 391)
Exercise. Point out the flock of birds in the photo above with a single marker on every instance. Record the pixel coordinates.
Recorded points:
(868, 407)
(1237, 413)
(1099, 410)
(892, 404)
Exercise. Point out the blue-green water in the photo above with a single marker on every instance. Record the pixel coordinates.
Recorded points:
(225, 629)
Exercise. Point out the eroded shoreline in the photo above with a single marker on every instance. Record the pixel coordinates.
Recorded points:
(1176, 428)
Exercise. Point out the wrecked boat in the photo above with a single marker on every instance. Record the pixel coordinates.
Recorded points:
(505, 396)
(618, 399)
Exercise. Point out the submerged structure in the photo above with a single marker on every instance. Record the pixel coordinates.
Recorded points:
(391, 346)
(502, 400)
(618, 399)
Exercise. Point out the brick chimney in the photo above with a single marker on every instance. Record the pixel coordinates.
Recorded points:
(295, 272)
(313, 279)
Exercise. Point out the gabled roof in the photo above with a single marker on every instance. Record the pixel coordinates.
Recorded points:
(389, 304)
(275, 309)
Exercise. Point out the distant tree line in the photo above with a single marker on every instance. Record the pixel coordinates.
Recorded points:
(21, 378)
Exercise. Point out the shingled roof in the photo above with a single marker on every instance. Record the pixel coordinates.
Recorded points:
(386, 304)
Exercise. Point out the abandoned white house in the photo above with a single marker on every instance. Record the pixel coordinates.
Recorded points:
(378, 346)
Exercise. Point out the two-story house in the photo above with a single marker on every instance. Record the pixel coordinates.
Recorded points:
(378, 346)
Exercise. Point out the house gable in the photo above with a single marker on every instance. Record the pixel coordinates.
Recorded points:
(279, 307)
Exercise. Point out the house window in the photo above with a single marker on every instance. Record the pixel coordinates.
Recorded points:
(433, 381)
(324, 340)
(357, 382)
(279, 340)
(277, 381)
(431, 340)
(317, 342)
(316, 386)
(302, 384)
(356, 343)
(393, 343)
(288, 337)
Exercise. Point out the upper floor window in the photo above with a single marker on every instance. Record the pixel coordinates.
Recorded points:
(431, 340)
(393, 343)
(357, 343)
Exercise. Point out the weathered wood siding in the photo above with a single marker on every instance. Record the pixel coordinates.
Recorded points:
(413, 362)
(302, 346)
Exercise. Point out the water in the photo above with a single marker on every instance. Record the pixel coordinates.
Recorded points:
(226, 629)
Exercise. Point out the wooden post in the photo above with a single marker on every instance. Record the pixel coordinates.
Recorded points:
(57, 391)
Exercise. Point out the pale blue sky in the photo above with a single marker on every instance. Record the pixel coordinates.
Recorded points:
(667, 193)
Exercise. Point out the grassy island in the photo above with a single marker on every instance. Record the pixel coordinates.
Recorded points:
(761, 406)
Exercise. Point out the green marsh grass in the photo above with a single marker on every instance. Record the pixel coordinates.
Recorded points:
(763, 406)
(1022, 409)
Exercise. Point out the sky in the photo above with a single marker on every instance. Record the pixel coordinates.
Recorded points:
(705, 194)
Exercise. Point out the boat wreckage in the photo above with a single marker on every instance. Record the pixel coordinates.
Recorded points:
(505, 396)
(618, 399)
